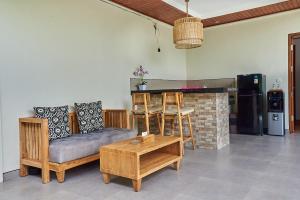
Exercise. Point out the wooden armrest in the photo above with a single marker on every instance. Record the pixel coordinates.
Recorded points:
(116, 118)
(33, 120)
(34, 139)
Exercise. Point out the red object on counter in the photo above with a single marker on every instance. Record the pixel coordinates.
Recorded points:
(191, 88)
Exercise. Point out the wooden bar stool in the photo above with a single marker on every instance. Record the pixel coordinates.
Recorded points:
(173, 108)
(141, 108)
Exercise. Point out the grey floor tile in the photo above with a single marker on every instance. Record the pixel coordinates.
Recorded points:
(280, 184)
(252, 167)
(216, 189)
(258, 194)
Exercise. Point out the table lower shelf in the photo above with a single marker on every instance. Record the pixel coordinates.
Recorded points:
(156, 160)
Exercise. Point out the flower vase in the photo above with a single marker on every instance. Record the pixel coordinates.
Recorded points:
(142, 87)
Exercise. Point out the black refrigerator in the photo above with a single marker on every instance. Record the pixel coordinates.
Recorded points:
(251, 104)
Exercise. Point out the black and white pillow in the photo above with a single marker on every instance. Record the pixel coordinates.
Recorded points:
(58, 120)
(89, 116)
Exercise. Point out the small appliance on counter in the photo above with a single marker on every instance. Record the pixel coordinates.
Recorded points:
(251, 104)
(276, 118)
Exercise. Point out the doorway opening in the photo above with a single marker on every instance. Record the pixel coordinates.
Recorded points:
(294, 82)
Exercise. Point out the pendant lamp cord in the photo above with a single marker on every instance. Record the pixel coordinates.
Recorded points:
(187, 7)
(156, 33)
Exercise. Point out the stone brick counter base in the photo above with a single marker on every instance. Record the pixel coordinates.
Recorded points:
(210, 120)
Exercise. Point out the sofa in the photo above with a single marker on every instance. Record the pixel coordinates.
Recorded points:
(65, 153)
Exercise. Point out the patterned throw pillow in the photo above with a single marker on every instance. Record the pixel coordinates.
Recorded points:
(58, 120)
(89, 116)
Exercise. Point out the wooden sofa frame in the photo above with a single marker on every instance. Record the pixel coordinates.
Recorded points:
(34, 143)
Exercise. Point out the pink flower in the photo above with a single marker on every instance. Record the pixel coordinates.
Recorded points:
(140, 72)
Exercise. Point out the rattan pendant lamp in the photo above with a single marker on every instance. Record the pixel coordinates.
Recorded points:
(188, 31)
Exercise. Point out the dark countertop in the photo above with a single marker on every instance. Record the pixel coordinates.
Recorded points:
(200, 90)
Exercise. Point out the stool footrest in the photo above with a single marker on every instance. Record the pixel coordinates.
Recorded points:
(187, 138)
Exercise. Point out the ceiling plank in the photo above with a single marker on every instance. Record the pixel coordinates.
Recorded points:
(252, 13)
(156, 9)
(166, 13)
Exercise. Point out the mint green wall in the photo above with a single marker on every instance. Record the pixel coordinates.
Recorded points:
(1, 145)
(57, 52)
(259, 45)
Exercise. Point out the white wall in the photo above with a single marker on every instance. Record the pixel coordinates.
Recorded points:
(1, 146)
(58, 52)
(297, 74)
(258, 45)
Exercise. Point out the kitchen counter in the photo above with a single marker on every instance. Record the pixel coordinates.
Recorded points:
(184, 90)
(210, 120)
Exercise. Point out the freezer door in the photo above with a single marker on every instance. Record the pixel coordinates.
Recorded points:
(250, 82)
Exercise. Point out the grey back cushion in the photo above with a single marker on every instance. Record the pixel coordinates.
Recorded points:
(89, 116)
(58, 120)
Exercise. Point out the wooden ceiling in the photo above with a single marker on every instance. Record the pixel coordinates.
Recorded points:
(252, 13)
(164, 12)
(156, 9)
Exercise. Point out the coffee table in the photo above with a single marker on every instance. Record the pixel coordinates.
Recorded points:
(135, 160)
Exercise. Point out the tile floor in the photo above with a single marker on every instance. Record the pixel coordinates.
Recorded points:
(252, 167)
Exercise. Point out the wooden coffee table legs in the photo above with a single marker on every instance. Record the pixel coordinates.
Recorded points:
(137, 184)
(106, 178)
(176, 165)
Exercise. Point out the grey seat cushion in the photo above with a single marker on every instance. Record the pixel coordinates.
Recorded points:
(82, 145)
